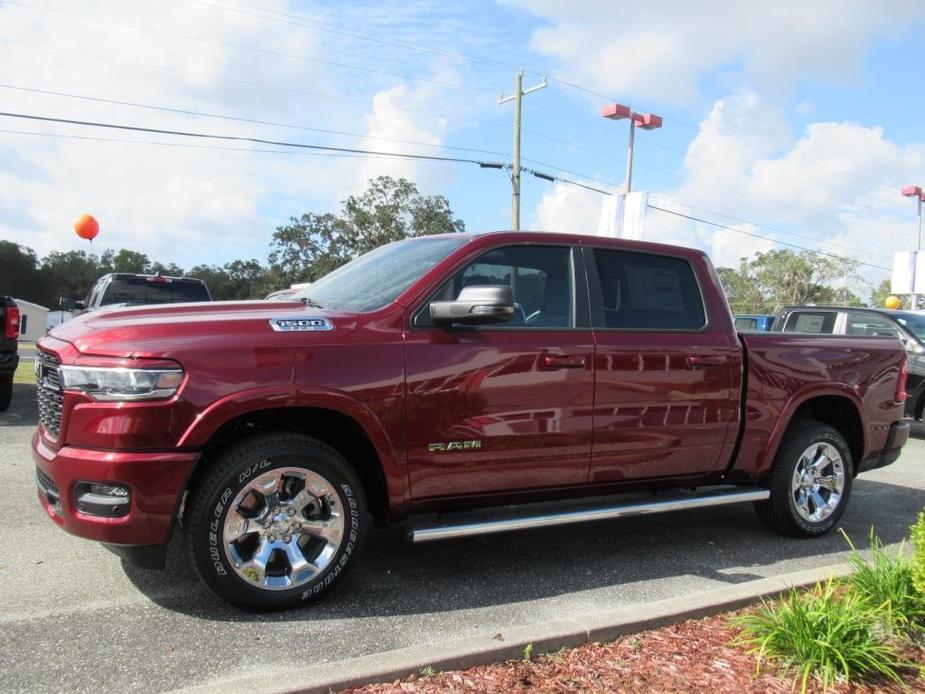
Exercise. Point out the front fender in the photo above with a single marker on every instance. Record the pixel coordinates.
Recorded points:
(241, 403)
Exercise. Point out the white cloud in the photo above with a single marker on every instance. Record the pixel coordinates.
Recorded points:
(569, 209)
(659, 50)
(826, 188)
(199, 202)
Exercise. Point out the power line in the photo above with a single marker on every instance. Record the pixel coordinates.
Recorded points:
(188, 145)
(240, 138)
(766, 238)
(252, 83)
(240, 119)
(771, 228)
(298, 20)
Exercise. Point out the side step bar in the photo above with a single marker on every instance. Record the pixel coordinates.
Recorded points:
(445, 531)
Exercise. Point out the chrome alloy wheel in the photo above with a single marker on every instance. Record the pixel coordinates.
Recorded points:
(818, 482)
(283, 528)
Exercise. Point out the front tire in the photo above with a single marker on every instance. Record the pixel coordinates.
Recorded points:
(276, 521)
(810, 481)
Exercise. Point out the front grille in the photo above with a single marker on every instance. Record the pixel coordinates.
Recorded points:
(50, 398)
(45, 482)
(49, 490)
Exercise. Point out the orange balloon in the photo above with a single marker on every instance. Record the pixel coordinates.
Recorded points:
(87, 227)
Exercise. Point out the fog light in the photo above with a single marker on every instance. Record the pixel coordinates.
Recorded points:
(102, 499)
(108, 489)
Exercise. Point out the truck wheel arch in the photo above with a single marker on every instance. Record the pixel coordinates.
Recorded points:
(836, 406)
(332, 417)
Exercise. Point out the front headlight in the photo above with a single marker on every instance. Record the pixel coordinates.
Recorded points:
(121, 383)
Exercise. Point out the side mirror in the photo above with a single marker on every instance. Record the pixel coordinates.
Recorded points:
(476, 305)
(68, 303)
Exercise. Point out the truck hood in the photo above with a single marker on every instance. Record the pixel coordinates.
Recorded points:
(165, 330)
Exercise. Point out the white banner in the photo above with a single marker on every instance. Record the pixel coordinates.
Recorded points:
(908, 273)
(624, 216)
(611, 216)
(634, 216)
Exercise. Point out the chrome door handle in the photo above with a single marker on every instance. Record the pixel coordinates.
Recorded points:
(555, 361)
(697, 361)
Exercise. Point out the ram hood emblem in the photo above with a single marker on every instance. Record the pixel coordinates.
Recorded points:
(301, 324)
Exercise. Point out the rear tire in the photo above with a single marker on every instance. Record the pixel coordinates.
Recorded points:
(276, 521)
(6, 393)
(810, 481)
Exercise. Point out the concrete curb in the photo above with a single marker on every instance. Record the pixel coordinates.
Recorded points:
(484, 648)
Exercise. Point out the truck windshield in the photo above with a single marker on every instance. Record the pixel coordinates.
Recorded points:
(914, 324)
(378, 277)
(151, 290)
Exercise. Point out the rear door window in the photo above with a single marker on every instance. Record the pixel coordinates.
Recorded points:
(642, 291)
(870, 325)
(811, 322)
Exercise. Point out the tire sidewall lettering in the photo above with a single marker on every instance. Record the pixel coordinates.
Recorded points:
(218, 556)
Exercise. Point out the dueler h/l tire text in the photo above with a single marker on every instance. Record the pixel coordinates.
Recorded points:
(276, 521)
(810, 481)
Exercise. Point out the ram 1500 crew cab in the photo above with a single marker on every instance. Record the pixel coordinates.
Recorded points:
(444, 377)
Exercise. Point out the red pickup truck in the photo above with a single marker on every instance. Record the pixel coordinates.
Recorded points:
(464, 383)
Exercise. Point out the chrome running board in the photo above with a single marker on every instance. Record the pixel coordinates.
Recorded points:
(448, 530)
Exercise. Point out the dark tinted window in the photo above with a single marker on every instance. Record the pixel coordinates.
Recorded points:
(811, 322)
(641, 291)
(540, 277)
(150, 290)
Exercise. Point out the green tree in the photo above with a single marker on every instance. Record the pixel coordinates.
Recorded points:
(389, 210)
(239, 279)
(879, 294)
(773, 279)
(19, 273)
(69, 274)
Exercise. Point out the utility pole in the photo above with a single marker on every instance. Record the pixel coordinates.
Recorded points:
(517, 98)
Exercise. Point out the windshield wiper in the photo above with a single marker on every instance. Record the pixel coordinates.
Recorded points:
(311, 302)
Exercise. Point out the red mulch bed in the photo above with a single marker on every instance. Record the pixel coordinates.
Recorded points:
(694, 656)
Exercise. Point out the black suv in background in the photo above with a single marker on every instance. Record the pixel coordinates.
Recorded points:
(908, 326)
(132, 290)
(9, 344)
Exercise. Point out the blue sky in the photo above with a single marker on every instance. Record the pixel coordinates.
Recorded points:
(797, 122)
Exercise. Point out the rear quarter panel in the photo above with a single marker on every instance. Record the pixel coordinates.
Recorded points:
(787, 369)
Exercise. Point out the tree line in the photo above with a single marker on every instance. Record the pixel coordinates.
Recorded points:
(307, 248)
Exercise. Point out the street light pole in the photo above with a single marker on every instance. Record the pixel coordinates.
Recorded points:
(646, 121)
(629, 156)
(917, 193)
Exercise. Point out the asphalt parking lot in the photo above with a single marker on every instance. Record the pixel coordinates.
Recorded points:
(74, 619)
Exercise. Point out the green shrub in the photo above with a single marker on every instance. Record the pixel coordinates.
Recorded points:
(885, 583)
(918, 559)
(828, 633)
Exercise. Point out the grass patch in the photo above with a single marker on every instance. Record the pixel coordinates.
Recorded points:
(885, 582)
(24, 373)
(829, 633)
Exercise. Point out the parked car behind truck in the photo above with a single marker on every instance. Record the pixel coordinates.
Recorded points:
(449, 374)
(907, 326)
(127, 289)
(9, 345)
